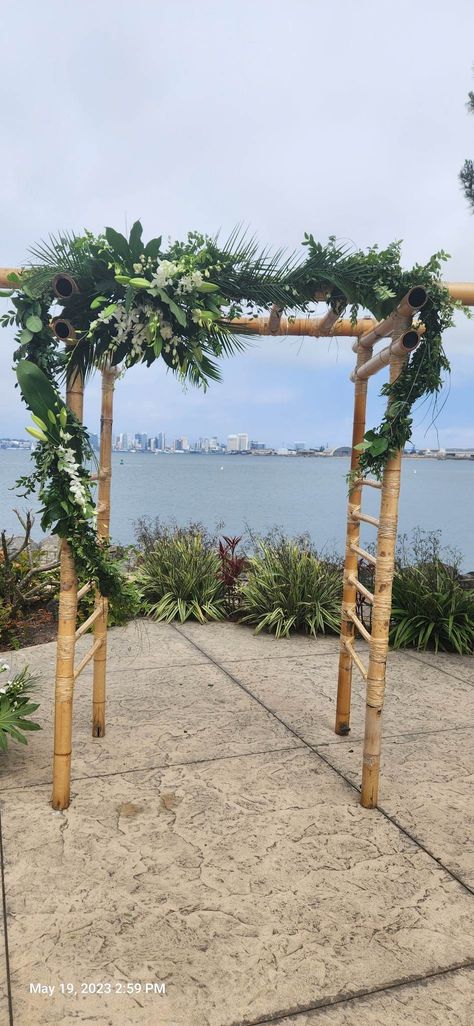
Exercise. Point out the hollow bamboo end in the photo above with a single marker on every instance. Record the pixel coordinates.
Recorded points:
(64, 286)
(63, 329)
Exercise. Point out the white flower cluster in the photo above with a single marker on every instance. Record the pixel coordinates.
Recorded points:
(67, 462)
(164, 274)
(188, 282)
(4, 668)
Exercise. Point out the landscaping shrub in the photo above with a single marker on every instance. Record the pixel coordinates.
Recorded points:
(121, 609)
(430, 609)
(16, 707)
(180, 576)
(5, 614)
(288, 589)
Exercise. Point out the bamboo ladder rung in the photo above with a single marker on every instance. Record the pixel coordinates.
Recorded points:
(357, 623)
(90, 620)
(365, 518)
(87, 658)
(363, 554)
(83, 591)
(360, 587)
(353, 654)
(368, 482)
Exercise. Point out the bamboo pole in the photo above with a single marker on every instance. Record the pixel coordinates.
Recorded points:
(400, 347)
(414, 300)
(109, 375)
(64, 689)
(314, 327)
(382, 605)
(344, 684)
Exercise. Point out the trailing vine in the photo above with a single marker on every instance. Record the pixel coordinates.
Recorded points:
(124, 303)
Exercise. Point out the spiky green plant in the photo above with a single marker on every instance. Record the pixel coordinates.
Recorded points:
(179, 580)
(430, 609)
(289, 589)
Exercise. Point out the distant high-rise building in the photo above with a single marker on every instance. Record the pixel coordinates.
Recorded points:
(300, 446)
(161, 441)
(214, 444)
(257, 445)
(181, 444)
(232, 443)
(243, 442)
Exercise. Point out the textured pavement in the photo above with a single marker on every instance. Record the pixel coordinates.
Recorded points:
(215, 867)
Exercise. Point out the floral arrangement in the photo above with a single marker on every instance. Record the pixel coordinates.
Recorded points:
(15, 706)
(125, 302)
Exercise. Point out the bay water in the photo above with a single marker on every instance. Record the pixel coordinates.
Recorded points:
(297, 494)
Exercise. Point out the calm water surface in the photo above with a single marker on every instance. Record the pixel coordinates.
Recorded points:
(297, 494)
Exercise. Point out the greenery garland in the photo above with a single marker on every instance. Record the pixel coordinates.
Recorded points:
(126, 303)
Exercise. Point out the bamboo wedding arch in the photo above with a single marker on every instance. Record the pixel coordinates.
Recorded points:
(367, 332)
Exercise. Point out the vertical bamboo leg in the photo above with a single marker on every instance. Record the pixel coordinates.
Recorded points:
(344, 684)
(387, 534)
(63, 699)
(103, 528)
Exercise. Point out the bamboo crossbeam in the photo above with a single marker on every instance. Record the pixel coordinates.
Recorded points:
(83, 591)
(414, 300)
(353, 656)
(87, 658)
(400, 347)
(358, 623)
(360, 587)
(365, 518)
(310, 326)
(369, 483)
(364, 554)
(88, 623)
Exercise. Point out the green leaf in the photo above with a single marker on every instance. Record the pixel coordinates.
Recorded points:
(152, 248)
(25, 336)
(178, 313)
(157, 347)
(129, 294)
(122, 279)
(135, 241)
(36, 389)
(34, 324)
(379, 446)
(98, 301)
(118, 244)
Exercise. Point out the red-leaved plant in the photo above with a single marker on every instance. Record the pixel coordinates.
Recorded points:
(232, 567)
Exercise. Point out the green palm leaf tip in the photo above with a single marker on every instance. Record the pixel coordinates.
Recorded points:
(289, 589)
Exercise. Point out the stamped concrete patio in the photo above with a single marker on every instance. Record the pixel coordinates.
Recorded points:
(215, 843)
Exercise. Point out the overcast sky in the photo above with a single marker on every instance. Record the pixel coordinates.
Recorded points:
(344, 118)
